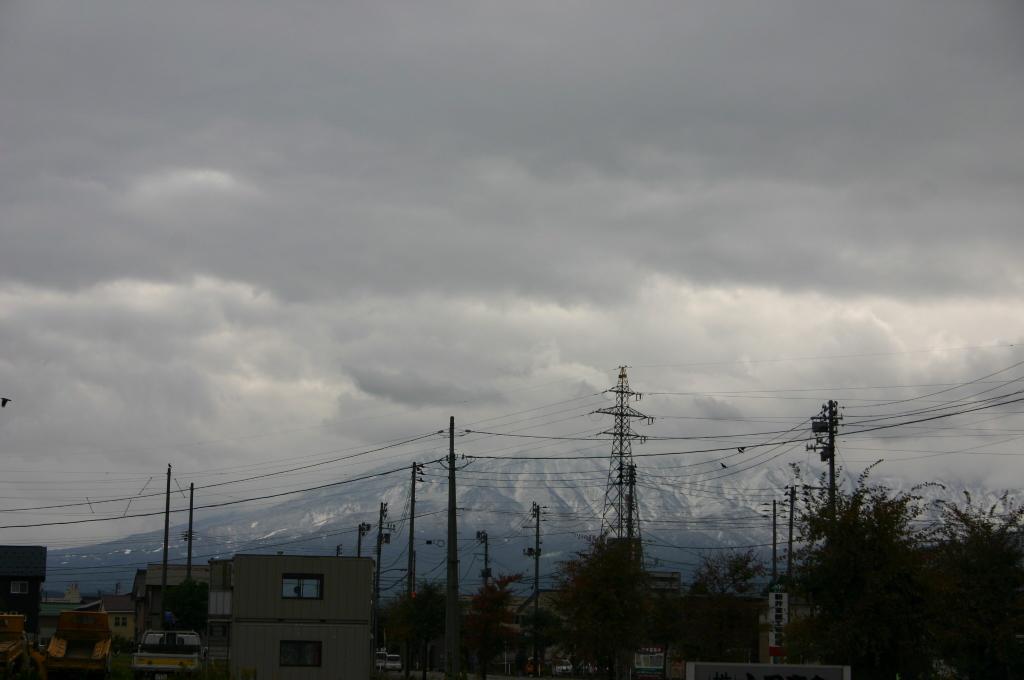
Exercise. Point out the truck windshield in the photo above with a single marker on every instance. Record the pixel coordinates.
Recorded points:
(185, 641)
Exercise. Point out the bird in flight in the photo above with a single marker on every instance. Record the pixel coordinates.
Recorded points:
(4, 401)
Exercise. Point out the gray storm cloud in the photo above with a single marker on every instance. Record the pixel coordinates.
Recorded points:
(534, 149)
(233, 233)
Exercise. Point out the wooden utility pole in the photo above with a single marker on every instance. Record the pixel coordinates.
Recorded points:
(376, 578)
(451, 629)
(485, 573)
(364, 528)
(775, 542)
(833, 426)
(163, 569)
(825, 427)
(410, 570)
(789, 551)
(535, 510)
(188, 563)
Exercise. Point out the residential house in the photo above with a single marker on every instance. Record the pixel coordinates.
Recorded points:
(665, 581)
(146, 592)
(291, 616)
(121, 611)
(22, 573)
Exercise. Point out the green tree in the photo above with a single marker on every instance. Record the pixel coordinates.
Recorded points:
(547, 626)
(979, 575)
(188, 602)
(665, 620)
(603, 601)
(419, 619)
(487, 627)
(719, 617)
(864, 576)
(728, 573)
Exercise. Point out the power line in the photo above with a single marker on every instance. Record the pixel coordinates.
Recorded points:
(209, 505)
(825, 357)
(220, 484)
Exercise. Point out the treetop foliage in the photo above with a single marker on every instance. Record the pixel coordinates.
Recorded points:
(890, 583)
(603, 601)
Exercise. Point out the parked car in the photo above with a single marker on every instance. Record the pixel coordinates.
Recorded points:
(562, 668)
(393, 662)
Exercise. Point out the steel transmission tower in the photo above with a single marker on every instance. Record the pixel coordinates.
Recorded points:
(621, 516)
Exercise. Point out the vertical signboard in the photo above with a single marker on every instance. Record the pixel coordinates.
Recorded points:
(778, 617)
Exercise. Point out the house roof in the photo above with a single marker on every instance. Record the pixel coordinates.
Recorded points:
(117, 603)
(23, 560)
(55, 608)
(176, 574)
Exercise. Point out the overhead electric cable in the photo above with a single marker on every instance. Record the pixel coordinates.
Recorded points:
(209, 505)
(219, 484)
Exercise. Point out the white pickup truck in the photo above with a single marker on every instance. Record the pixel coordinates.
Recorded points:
(164, 654)
(388, 662)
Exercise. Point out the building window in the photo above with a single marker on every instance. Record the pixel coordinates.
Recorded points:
(300, 652)
(302, 586)
(19, 587)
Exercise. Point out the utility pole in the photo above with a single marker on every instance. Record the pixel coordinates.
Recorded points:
(163, 569)
(775, 539)
(536, 589)
(481, 536)
(376, 578)
(789, 551)
(534, 552)
(364, 528)
(833, 424)
(825, 427)
(410, 570)
(451, 628)
(188, 564)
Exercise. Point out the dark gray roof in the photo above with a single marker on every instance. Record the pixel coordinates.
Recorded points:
(23, 560)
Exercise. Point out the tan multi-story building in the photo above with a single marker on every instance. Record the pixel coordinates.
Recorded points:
(288, 617)
(146, 591)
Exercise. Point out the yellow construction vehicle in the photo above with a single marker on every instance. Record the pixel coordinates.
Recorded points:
(13, 644)
(80, 647)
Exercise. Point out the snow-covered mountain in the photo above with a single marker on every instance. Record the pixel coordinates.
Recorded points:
(681, 519)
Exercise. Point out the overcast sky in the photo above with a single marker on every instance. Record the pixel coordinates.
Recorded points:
(238, 233)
